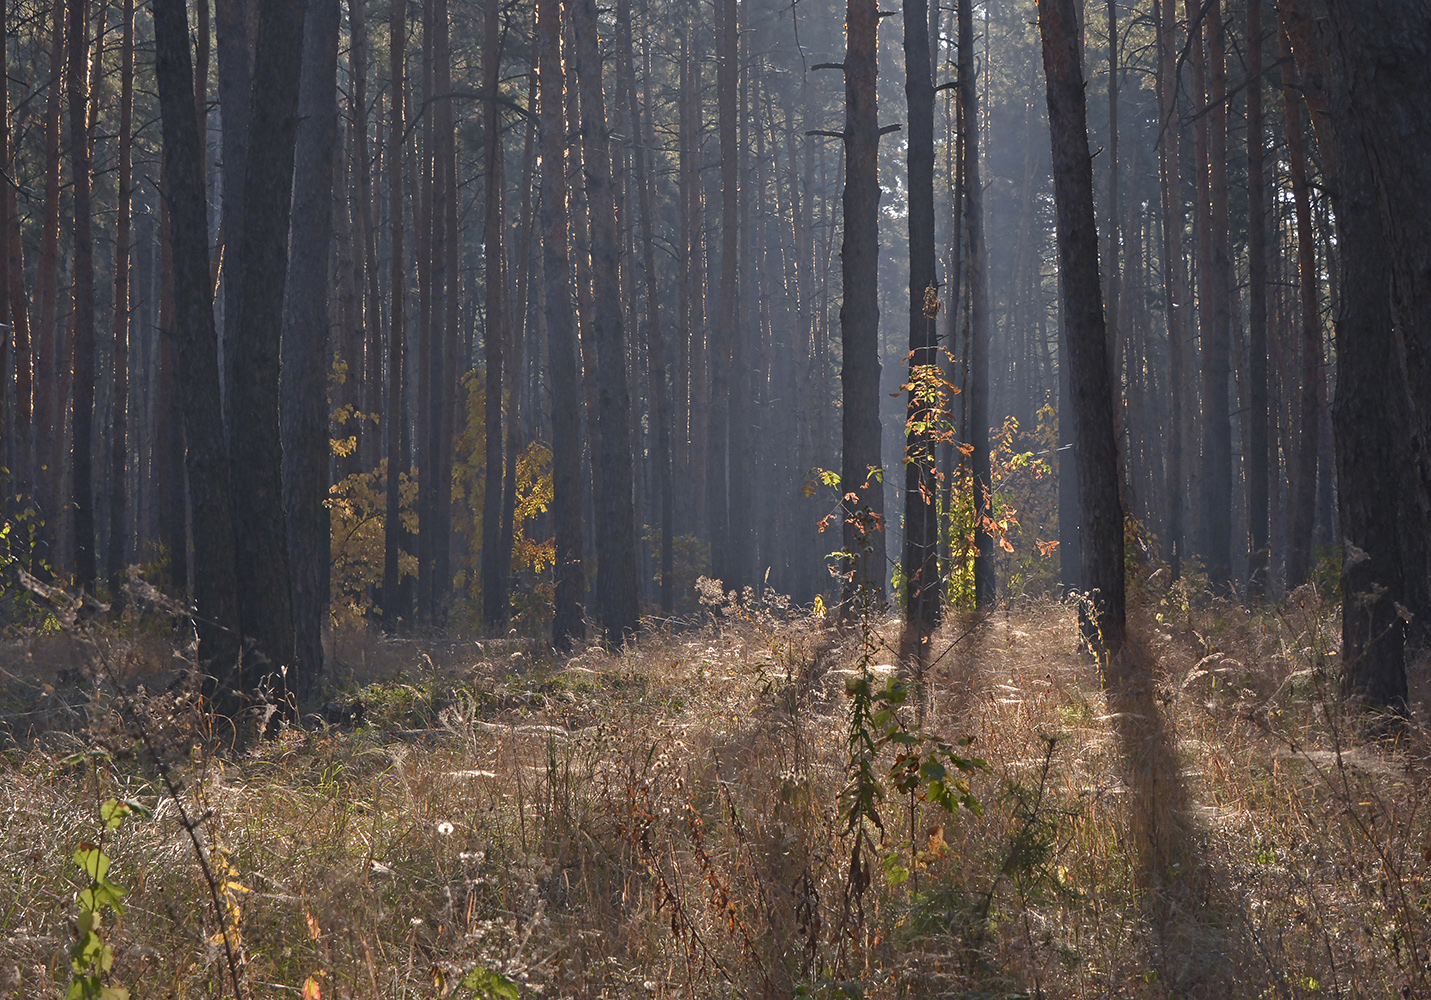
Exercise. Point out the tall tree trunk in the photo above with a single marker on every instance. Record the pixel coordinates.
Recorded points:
(1175, 284)
(921, 527)
(236, 35)
(49, 425)
(655, 334)
(120, 404)
(1216, 358)
(307, 321)
(976, 428)
(496, 550)
(1303, 472)
(1257, 473)
(861, 472)
(82, 290)
(723, 332)
(612, 463)
(570, 572)
(395, 539)
(448, 373)
(255, 443)
(1371, 415)
(1101, 511)
(16, 302)
(216, 582)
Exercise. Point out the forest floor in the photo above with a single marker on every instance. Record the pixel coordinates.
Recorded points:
(675, 820)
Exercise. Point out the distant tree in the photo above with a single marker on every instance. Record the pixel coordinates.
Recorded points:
(396, 606)
(496, 550)
(1257, 472)
(613, 471)
(570, 572)
(82, 292)
(1101, 515)
(976, 430)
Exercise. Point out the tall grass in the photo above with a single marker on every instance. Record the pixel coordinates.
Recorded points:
(666, 821)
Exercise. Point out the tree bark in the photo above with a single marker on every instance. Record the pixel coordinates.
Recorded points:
(570, 572)
(216, 582)
(861, 472)
(1101, 511)
(921, 527)
(496, 550)
(307, 321)
(1257, 472)
(120, 404)
(976, 429)
(396, 606)
(255, 443)
(618, 611)
(82, 292)
(1175, 285)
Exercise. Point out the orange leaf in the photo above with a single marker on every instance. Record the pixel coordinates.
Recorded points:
(311, 989)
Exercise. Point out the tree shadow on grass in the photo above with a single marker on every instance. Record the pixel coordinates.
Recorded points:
(1198, 945)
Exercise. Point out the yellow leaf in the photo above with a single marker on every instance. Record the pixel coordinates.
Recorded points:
(313, 929)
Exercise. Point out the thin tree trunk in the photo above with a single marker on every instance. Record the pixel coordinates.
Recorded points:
(570, 573)
(1257, 473)
(395, 604)
(496, 550)
(655, 334)
(1175, 282)
(977, 426)
(1304, 467)
(446, 373)
(921, 527)
(120, 405)
(236, 36)
(1216, 359)
(82, 290)
(49, 425)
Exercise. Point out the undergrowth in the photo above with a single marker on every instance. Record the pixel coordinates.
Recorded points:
(750, 809)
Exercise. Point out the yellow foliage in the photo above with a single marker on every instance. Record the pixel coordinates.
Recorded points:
(357, 509)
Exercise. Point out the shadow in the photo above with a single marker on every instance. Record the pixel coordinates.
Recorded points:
(1198, 944)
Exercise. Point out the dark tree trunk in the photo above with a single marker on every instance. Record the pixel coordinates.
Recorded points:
(861, 472)
(921, 527)
(722, 333)
(612, 465)
(49, 425)
(1388, 46)
(496, 550)
(448, 372)
(395, 540)
(567, 620)
(976, 430)
(216, 582)
(1101, 512)
(255, 444)
(120, 405)
(1257, 473)
(655, 334)
(1175, 283)
(236, 36)
(1371, 416)
(1303, 471)
(82, 291)
(307, 321)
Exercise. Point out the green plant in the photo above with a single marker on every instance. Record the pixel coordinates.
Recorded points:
(91, 956)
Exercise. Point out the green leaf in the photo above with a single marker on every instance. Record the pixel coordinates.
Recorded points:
(491, 985)
(92, 861)
(114, 812)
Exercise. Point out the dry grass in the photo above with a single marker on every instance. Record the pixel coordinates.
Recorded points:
(665, 822)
